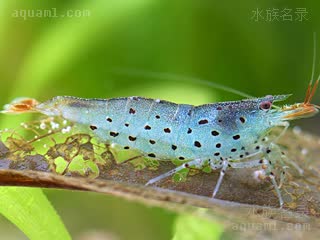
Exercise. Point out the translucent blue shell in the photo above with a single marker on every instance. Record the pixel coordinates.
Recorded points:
(165, 130)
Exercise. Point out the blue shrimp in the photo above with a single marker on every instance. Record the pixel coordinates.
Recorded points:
(225, 134)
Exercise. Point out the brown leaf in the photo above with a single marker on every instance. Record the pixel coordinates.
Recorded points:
(240, 200)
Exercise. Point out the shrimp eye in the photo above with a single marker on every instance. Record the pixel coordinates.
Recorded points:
(266, 105)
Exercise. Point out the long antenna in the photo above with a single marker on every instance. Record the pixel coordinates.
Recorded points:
(314, 56)
(179, 78)
(309, 89)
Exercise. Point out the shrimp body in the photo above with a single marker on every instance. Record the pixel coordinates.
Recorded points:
(165, 130)
(225, 134)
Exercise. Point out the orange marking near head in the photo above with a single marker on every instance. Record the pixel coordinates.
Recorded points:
(305, 109)
(21, 106)
(310, 92)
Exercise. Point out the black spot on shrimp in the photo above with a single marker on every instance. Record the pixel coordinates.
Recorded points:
(236, 137)
(215, 133)
(242, 119)
(147, 127)
(131, 138)
(203, 121)
(167, 130)
(93, 127)
(132, 111)
(197, 144)
(114, 134)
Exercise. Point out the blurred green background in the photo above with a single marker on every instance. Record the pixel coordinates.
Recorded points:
(86, 48)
